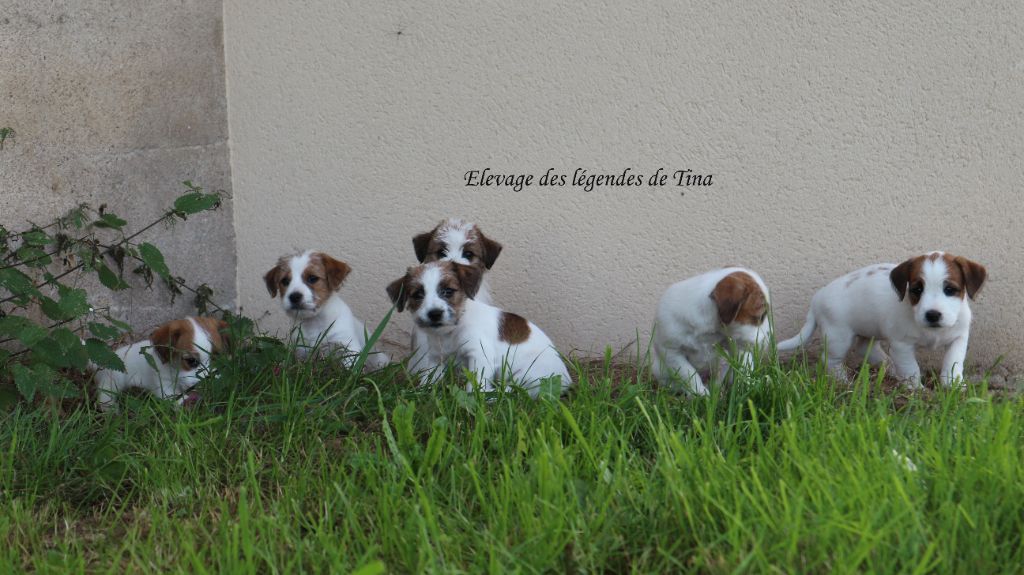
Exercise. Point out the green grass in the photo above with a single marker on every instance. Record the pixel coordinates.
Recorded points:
(307, 468)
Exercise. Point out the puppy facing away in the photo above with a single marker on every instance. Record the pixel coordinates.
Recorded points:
(484, 339)
(922, 302)
(461, 242)
(307, 285)
(181, 351)
(458, 241)
(698, 315)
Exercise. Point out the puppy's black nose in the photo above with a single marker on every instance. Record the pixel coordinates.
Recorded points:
(435, 314)
(933, 316)
(295, 297)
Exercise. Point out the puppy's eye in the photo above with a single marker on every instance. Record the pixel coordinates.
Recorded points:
(447, 293)
(917, 290)
(191, 362)
(468, 255)
(285, 281)
(312, 280)
(418, 294)
(951, 290)
(441, 253)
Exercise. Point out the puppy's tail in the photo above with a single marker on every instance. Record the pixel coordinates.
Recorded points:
(801, 338)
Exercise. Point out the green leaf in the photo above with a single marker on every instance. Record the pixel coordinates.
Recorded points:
(51, 308)
(36, 238)
(30, 379)
(154, 260)
(73, 302)
(33, 257)
(51, 353)
(195, 202)
(117, 323)
(25, 330)
(101, 354)
(109, 279)
(103, 331)
(109, 221)
(16, 282)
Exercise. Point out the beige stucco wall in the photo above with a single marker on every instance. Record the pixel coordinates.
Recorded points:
(839, 134)
(118, 103)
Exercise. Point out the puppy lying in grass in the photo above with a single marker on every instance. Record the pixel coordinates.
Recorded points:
(168, 364)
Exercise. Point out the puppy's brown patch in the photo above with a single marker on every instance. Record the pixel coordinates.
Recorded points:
(739, 298)
(278, 277)
(324, 275)
(513, 328)
(479, 250)
(216, 329)
(962, 274)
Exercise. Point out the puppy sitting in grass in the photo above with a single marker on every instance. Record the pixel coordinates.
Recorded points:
(485, 340)
(308, 285)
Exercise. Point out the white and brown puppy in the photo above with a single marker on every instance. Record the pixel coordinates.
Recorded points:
(481, 338)
(181, 354)
(461, 242)
(458, 241)
(698, 316)
(308, 285)
(922, 302)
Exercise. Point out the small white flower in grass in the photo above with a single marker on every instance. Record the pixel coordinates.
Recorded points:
(904, 461)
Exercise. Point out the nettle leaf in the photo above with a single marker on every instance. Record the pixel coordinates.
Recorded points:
(109, 221)
(75, 353)
(101, 354)
(36, 238)
(103, 331)
(109, 279)
(74, 302)
(25, 330)
(154, 259)
(117, 323)
(149, 357)
(16, 282)
(51, 308)
(195, 202)
(33, 257)
(51, 353)
(31, 379)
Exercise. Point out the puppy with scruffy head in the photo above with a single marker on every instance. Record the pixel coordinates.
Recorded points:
(922, 302)
(699, 316)
(485, 340)
(181, 357)
(462, 242)
(307, 285)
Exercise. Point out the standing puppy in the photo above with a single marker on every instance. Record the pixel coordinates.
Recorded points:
(308, 285)
(922, 302)
(181, 353)
(458, 241)
(482, 338)
(698, 315)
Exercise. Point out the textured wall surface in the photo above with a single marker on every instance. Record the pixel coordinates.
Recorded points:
(839, 134)
(118, 103)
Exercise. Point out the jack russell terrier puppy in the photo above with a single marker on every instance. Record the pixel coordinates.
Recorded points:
(484, 339)
(308, 285)
(181, 354)
(922, 302)
(458, 241)
(698, 315)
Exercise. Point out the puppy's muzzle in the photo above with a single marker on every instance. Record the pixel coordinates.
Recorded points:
(933, 317)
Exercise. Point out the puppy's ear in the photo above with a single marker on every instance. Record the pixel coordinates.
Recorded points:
(900, 277)
(336, 270)
(974, 275)
(164, 338)
(397, 292)
(217, 329)
(469, 278)
(420, 243)
(273, 278)
(491, 250)
(729, 295)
